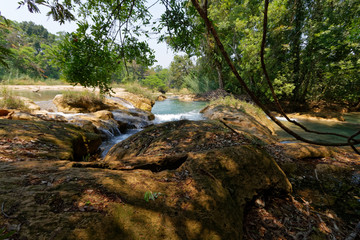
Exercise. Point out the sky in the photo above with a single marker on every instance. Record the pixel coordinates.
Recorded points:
(8, 9)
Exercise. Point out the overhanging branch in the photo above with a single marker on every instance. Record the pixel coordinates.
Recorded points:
(351, 141)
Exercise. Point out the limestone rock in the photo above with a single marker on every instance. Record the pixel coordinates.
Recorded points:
(218, 170)
(161, 98)
(30, 104)
(78, 107)
(51, 140)
(18, 115)
(257, 127)
(138, 101)
(104, 115)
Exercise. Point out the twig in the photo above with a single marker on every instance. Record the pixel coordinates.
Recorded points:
(321, 186)
(356, 232)
(3, 212)
(304, 234)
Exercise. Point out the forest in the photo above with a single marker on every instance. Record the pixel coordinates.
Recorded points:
(311, 52)
(252, 131)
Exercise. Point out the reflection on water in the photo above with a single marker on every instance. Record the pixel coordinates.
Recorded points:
(353, 117)
(344, 128)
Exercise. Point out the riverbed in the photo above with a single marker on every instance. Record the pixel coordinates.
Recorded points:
(173, 109)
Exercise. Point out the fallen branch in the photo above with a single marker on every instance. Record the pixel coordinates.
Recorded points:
(3, 212)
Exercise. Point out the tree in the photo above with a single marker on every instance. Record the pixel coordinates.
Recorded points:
(180, 67)
(5, 53)
(350, 140)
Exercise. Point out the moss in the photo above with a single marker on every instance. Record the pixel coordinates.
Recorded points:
(51, 140)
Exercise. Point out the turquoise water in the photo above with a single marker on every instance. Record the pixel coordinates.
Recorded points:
(347, 128)
(173, 109)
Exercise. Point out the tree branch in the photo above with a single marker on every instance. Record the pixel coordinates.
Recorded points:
(211, 28)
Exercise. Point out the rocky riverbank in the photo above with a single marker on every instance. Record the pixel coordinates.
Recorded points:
(223, 178)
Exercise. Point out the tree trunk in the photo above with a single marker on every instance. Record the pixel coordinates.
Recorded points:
(219, 73)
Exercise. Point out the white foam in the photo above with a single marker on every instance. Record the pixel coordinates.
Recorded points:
(284, 119)
(193, 115)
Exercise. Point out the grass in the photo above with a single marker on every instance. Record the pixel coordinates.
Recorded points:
(26, 80)
(138, 89)
(182, 91)
(231, 101)
(9, 101)
(83, 98)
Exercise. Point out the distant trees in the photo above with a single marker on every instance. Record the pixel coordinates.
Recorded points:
(312, 49)
(29, 46)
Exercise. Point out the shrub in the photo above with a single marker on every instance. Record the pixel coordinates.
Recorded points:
(9, 101)
(137, 89)
(231, 101)
(83, 98)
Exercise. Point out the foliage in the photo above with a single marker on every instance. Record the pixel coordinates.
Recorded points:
(151, 195)
(9, 101)
(29, 46)
(86, 61)
(153, 82)
(138, 89)
(197, 83)
(180, 67)
(59, 11)
(5, 53)
(5, 235)
(311, 50)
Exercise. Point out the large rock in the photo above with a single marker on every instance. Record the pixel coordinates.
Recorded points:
(78, 107)
(30, 104)
(249, 121)
(48, 140)
(138, 101)
(161, 98)
(202, 173)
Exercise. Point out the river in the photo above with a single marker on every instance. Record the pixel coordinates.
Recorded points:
(348, 128)
(164, 111)
(173, 109)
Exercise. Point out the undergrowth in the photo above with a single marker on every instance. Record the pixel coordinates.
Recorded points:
(83, 98)
(26, 80)
(243, 106)
(138, 89)
(9, 101)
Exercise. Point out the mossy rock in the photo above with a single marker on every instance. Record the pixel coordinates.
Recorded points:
(205, 174)
(49, 140)
(255, 125)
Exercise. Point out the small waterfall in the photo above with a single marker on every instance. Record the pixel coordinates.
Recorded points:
(136, 121)
(106, 145)
(109, 128)
(192, 115)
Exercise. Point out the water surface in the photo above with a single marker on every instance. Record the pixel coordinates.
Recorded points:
(173, 109)
(347, 128)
